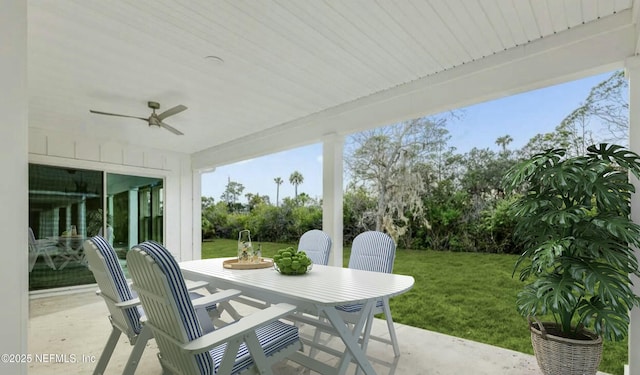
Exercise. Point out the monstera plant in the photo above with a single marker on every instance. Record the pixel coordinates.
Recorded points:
(573, 220)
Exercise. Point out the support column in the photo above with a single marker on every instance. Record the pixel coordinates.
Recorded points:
(109, 218)
(43, 225)
(133, 217)
(82, 217)
(632, 66)
(332, 191)
(67, 220)
(196, 191)
(14, 198)
(54, 230)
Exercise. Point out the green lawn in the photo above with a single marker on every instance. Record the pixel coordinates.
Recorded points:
(468, 295)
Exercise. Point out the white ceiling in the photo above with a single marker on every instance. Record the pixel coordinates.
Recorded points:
(284, 60)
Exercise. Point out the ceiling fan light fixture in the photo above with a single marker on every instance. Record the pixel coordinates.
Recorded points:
(156, 120)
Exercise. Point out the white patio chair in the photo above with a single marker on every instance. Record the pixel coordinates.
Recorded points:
(124, 306)
(255, 342)
(373, 251)
(39, 248)
(317, 245)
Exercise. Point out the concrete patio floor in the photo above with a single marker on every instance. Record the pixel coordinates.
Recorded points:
(71, 330)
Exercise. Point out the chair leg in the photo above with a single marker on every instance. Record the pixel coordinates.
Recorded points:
(108, 350)
(316, 339)
(134, 358)
(64, 264)
(257, 353)
(49, 261)
(392, 329)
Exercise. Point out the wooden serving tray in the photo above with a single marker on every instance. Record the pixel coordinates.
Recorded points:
(233, 264)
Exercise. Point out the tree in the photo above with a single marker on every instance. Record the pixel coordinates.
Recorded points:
(385, 161)
(254, 200)
(231, 193)
(296, 179)
(358, 207)
(606, 108)
(303, 199)
(207, 226)
(278, 182)
(504, 142)
(608, 104)
(214, 218)
(560, 138)
(483, 173)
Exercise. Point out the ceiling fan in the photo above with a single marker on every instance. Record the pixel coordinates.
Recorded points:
(154, 119)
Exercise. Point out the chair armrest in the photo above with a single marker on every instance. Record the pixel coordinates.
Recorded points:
(193, 285)
(121, 305)
(214, 298)
(246, 324)
(127, 304)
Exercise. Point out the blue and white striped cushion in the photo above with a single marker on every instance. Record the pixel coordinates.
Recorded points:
(170, 268)
(373, 251)
(317, 245)
(357, 307)
(272, 337)
(117, 275)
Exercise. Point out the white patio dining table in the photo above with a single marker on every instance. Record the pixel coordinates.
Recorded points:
(317, 292)
(70, 250)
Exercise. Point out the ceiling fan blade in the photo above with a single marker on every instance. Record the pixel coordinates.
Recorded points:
(171, 111)
(170, 128)
(115, 114)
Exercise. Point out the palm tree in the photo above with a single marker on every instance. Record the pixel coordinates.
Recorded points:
(278, 182)
(504, 141)
(296, 179)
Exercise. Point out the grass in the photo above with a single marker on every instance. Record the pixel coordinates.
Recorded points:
(467, 295)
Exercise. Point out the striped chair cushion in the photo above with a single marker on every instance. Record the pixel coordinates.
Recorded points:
(272, 337)
(317, 245)
(373, 251)
(117, 277)
(167, 263)
(357, 307)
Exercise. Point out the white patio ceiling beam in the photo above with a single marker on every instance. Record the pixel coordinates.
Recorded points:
(581, 51)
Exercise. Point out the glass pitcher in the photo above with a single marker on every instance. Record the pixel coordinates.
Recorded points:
(245, 250)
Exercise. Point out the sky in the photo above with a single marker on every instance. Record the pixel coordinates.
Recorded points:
(521, 116)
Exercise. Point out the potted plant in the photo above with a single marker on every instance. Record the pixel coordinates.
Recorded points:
(578, 239)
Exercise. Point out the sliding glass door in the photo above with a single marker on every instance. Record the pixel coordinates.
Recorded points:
(65, 208)
(134, 209)
(69, 205)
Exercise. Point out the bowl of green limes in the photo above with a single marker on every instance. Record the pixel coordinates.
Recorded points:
(290, 261)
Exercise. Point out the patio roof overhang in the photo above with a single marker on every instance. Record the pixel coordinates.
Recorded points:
(294, 73)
